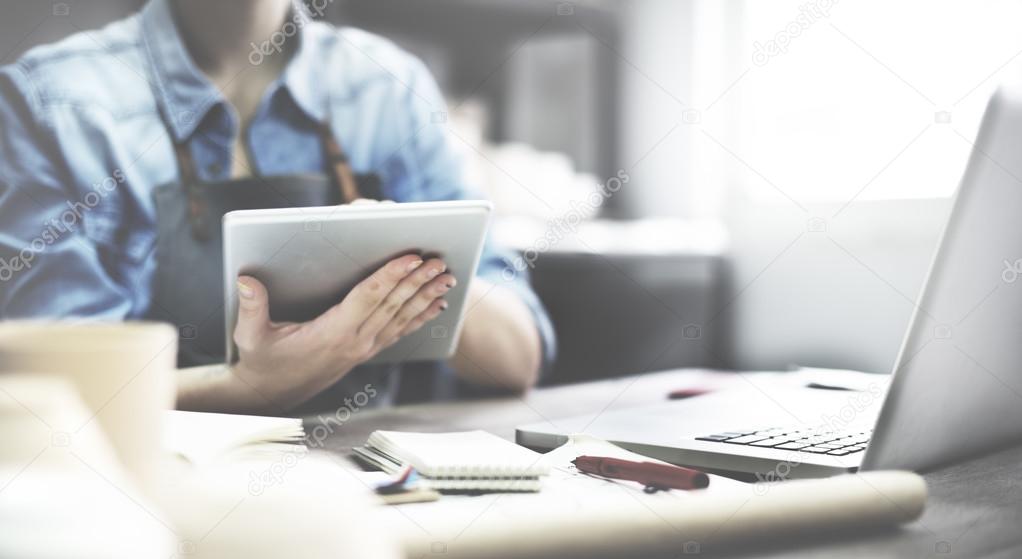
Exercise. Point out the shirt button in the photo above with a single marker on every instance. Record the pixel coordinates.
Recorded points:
(214, 169)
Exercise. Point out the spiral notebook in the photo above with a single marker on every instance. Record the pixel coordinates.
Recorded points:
(462, 461)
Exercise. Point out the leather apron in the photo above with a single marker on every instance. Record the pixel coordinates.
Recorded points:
(189, 279)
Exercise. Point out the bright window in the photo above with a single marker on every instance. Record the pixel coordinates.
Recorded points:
(862, 100)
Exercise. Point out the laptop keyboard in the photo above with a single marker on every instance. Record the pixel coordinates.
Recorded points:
(801, 439)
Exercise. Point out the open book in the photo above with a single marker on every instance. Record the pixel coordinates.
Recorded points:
(206, 437)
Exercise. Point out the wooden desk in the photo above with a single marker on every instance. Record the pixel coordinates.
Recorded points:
(974, 509)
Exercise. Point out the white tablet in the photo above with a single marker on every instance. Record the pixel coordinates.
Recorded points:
(309, 258)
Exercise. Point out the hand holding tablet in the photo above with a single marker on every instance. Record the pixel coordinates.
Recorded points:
(394, 301)
(316, 292)
(315, 263)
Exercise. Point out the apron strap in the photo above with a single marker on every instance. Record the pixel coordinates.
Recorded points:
(337, 164)
(197, 206)
(189, 178)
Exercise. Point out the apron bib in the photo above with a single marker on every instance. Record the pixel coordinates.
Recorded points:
(189, 279)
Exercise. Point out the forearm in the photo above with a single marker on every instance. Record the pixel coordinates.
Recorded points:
(499, 344)
(216, 388)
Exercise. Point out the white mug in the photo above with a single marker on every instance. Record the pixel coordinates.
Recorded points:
(124, 372)
(48, 478)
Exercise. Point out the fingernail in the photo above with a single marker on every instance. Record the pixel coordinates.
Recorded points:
(414, 265)
(245, 291)
(452, 283)
(434, 273)
(443, 306)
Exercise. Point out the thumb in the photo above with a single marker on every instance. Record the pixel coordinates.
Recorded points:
(253, 312)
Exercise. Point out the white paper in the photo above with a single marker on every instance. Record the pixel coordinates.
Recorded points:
(581, 515)
(202, 438)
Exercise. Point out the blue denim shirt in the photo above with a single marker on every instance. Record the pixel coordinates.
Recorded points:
(82, 145)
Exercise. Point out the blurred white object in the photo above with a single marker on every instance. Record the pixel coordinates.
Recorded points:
(517, 178)
(250, 491)
(124, 373)
(63, 493)
(523, 181)
(662, 236)
(290, 506)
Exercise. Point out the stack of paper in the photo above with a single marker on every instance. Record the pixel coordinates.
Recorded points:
(205, 437)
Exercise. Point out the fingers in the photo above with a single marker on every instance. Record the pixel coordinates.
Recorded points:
(431, 312)
(396, 299)
(362, 300)
(416, 306)
(253, 313)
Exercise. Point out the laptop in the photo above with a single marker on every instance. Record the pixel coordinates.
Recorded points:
(956, 387)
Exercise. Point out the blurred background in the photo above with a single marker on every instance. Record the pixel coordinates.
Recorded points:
(747, 184)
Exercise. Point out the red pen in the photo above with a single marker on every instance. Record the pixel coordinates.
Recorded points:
(654, 476)
(683, 393)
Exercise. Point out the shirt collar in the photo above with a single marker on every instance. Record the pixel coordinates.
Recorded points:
(185, 94)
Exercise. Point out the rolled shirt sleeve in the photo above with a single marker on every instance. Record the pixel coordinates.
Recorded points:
(49, 268)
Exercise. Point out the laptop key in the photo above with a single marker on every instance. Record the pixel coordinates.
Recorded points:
(792, 446)
(840, 452)
(720, 437)
(746, 439)
(770, 442)
(817, 450)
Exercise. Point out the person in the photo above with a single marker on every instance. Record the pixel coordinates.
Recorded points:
(120, 149)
